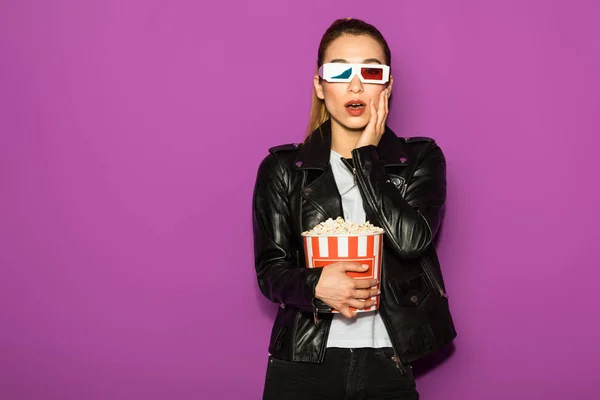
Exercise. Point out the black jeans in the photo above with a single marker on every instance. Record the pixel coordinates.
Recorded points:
(346, 374)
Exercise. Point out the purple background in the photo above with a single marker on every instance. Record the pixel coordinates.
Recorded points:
(130, 134)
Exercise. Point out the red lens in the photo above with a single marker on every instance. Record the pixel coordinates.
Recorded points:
(372, 73)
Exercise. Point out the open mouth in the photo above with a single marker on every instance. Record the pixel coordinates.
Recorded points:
(355, 108)
(355, 105)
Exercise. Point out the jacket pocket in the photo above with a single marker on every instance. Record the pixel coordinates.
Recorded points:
(411, 292)
(430, 274)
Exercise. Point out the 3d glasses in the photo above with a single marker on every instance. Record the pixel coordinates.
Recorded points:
(367, 73)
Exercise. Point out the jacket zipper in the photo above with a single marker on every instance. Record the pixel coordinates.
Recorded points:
(294, 332)
(401, 367)
(434, 282)
(351, 168)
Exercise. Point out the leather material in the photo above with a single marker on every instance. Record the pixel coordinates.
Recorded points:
(403, 185)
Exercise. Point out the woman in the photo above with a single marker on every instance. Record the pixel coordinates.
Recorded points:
(351, 165)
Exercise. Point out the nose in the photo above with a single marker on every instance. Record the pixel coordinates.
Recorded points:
(355, 85)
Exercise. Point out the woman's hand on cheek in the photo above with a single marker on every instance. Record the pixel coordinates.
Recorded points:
(376, 126)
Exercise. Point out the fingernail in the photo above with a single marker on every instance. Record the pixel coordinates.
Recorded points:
(372, 102)
(365, 266)
(379, 292)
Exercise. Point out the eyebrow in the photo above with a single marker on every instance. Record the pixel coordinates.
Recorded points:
(365, 61)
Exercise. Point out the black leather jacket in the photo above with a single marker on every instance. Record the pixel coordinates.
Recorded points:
(402, 182)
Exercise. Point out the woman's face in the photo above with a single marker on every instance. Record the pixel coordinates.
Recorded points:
(337, 96)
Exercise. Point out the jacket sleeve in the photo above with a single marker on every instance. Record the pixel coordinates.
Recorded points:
(280, 278)
(410, 222)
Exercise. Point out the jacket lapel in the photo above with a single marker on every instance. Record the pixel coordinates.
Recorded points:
(315, 151)
(391, 150)
(320, 189)
(323, 195)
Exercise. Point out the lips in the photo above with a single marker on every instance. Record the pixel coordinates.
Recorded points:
(355, 104)
(355, 107)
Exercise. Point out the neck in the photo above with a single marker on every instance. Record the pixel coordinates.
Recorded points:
(343, 140)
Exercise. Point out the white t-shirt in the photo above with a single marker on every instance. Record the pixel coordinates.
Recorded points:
(367, 329)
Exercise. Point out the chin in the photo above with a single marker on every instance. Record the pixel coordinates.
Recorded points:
(356, 124)
(353, 123)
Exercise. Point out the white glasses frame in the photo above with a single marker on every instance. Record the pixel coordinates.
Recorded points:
(331, 71)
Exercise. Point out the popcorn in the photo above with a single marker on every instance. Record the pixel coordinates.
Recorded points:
(341, 227)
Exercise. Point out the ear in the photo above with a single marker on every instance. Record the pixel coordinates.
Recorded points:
(389, 84)
(318, 87)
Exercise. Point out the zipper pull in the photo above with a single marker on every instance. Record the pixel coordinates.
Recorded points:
(399, 365)
(316, 316)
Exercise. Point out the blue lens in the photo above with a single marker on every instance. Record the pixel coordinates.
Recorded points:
(344, 75)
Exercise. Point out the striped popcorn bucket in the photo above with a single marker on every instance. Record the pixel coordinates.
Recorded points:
(360, 248)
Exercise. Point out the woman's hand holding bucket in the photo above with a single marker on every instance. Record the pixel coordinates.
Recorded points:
(341, 292)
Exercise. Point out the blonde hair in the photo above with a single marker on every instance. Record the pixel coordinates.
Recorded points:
(318, 113)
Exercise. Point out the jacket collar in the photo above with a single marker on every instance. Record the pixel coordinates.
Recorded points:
(316, 149)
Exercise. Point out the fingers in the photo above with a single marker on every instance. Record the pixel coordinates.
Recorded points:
(348, 292)
(387, 100)
(360, 304)
(347, 313)
(365, 283)
(382, 112)
(364, 293)
(382, 100)
(353, 267)
(373, 116)
(357, 304)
